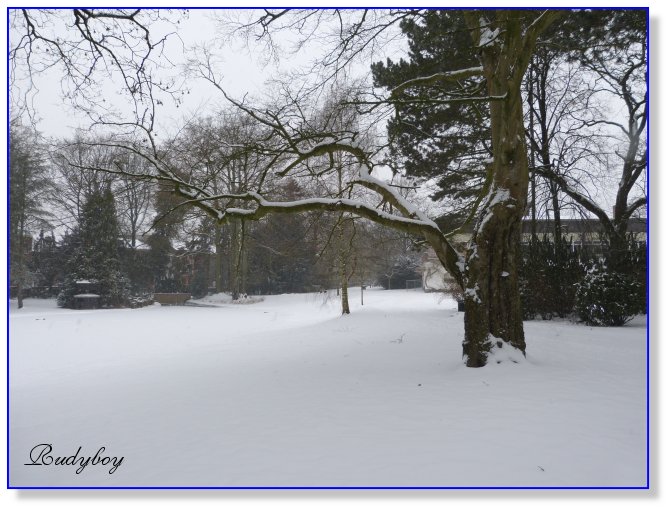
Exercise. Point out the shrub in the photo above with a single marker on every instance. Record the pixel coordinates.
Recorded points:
(548, 275)
(637, 256)
(607, 299)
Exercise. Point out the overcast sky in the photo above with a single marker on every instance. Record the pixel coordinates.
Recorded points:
(243, 71)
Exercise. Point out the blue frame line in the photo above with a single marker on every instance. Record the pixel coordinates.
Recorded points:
(648, 282)
(648, 250)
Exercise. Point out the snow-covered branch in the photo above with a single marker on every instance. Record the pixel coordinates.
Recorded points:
(455, 75)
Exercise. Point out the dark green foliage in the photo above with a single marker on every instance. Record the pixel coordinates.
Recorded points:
(158, 261)
(200, 280)
(96, 254)
(594, 33)
(607, 299)
(638, 272)
(528, 303)
(165, 277)
(554, 282)
(429, 138)
(139, 269)
(548, 275)
(167, 284)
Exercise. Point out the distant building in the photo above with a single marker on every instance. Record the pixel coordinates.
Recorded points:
(581, 232)
(587, 233)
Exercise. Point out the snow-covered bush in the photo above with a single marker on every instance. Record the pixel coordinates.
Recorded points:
(140, 300)
(607, 299)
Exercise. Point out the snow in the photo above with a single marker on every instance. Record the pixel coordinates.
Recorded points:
(488, 37)
(451, 76)
(500, 195)
(495, 197)
(472, 293)
(222, 298)
(502, 353)
(364, 174)
(461, 265)
(286, 392)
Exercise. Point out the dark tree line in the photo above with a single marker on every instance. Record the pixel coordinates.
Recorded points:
(163, 246)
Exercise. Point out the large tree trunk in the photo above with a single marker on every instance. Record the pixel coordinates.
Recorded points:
(493, 318)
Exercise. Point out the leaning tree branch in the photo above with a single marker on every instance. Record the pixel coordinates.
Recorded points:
(579, 198)
(639, 203)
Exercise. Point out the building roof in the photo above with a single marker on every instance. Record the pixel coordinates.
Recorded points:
(578, 225)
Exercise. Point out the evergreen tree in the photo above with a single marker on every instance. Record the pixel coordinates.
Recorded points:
(430, 138)
(96, 254)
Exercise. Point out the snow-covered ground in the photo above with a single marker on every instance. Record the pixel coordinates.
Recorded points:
(285, 392)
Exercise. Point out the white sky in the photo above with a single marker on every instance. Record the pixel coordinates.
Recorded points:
(243, 71)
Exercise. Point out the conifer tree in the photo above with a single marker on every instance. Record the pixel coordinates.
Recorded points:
(96, 255)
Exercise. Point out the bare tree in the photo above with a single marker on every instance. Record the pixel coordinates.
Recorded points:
(70, 163)
(133, 198)
(214, 152)
(620, 79)
(28, 187)
(561, 139)
(487, 270)
(93, 48)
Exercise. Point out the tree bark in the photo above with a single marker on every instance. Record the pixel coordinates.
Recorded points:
(21, 258)
(488, 272)
(344, 299)
(219, 260)
(234, 264)
(493, 318)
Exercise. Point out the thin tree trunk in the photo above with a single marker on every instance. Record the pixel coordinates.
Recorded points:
(239, 266)
(533, 193)
(219, 260)
(344, 299)
(243, 260)
(558, 228)
(234, 248)
(21, 261)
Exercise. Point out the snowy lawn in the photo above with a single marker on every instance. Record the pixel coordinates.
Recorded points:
(285, 392)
